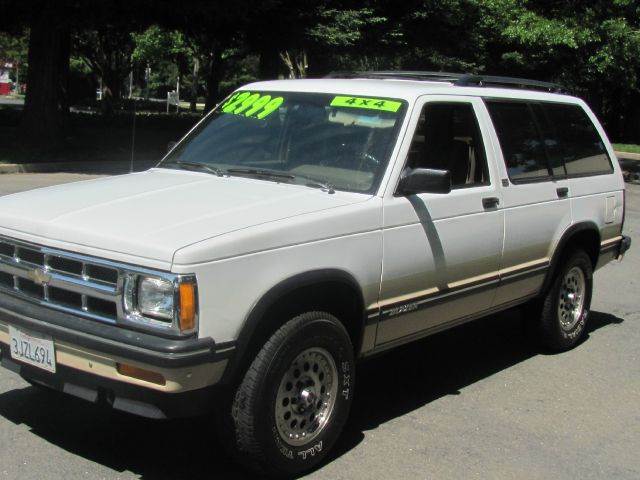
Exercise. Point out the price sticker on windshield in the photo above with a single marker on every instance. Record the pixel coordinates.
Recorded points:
(254, 105)
(369, 103)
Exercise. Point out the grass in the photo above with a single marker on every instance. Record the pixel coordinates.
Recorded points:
(186, 105)
(625, 147)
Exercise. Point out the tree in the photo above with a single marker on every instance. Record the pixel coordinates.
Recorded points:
(214, 31)
(14, 48)
(156, 46)
(45, 109)
(593, 48)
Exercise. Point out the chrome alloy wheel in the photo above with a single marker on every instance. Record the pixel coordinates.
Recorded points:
(306, 396)
(571, 301)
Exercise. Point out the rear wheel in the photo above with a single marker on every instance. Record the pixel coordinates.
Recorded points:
(564, 310)
(292, 404)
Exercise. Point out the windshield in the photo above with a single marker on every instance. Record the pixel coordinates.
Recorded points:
(313, 139)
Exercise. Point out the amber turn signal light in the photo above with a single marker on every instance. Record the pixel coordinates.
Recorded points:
(141, 374)
(187, 307)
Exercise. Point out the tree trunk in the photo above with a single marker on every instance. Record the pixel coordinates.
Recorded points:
(112, 81)
(194, 85)
(269, 67)
(214, 76)
(632, 119)
(45, 110)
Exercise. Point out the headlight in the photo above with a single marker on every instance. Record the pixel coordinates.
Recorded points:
(165, 302)
(155, 297)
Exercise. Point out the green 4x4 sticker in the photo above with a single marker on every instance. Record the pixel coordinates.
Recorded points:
(370, 103)
(253, 105)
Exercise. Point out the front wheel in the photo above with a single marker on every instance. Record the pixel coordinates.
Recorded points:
(292, 404)
(564, 309)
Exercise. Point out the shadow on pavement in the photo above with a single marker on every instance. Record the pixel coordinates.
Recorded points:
(389, 386)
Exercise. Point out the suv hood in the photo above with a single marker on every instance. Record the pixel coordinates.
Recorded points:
(154, 213)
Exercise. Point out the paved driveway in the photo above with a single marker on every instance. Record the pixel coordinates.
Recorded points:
(12, 183)
(474, 402)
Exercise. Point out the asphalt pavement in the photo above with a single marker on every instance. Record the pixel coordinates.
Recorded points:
(477, 401)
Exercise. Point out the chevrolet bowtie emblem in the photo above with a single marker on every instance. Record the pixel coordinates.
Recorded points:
(40, 276)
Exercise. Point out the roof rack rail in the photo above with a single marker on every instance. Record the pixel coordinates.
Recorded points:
(458, 79)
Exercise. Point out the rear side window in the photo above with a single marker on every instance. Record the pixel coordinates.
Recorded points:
(578, 141)
(520, 141)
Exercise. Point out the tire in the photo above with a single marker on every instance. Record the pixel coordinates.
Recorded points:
(294, 399)
(564, 309)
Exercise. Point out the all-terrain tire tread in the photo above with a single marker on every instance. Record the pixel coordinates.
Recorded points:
(244, 403)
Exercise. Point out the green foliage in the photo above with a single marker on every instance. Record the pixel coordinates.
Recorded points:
(156, 44)
(342, 28)
(591, 47)
(627, 148)
(14, 49)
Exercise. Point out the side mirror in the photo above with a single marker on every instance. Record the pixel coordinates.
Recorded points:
(424, 180)
(170, 145)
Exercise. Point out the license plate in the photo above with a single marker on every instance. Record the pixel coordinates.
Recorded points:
(33, 348)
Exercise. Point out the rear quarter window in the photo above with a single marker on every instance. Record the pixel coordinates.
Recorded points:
(579, 143)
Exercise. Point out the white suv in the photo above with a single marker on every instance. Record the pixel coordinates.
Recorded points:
(299, 227)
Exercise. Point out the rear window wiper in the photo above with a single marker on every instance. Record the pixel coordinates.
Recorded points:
(260, 173)
(198, 166)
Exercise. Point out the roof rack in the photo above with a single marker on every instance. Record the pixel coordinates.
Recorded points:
(458, 79)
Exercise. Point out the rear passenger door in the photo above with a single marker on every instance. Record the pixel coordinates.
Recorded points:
(535, 193)
(441, 251)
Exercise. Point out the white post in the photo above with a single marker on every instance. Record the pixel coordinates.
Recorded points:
(178, 95)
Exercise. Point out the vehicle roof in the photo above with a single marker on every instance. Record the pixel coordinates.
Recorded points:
(408, 90)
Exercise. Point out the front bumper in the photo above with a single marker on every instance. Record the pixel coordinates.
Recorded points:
(87, 354)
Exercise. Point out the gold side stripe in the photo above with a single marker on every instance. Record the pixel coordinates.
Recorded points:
(461, 283)
(525, 266)
(611, 240)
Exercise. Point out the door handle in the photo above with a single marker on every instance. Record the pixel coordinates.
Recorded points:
(563, 192)
(490, 202)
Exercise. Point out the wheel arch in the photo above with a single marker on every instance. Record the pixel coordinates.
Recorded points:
(585, 235)
(332, 290)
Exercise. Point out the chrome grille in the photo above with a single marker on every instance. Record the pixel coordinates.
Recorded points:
(61, 280)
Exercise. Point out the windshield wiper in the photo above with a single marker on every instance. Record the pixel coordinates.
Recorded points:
(260, 173)
(314, 183)
(199, 166)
